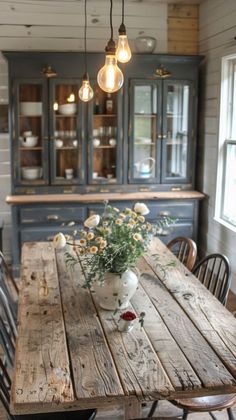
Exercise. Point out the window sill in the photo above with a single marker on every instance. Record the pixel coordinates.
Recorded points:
(226, 224)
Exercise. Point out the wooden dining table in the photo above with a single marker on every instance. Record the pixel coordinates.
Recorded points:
(71, 355)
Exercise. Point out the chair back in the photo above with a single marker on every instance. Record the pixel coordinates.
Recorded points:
(8, 329)
(214, 272)
(185, 250)
(8, 285)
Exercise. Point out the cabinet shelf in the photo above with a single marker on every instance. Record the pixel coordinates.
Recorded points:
(30, 116)
(145, 115)
(66, 148)
(66, 116)
(105, 115)
(25, 149)
(144, 144)
(104, 147)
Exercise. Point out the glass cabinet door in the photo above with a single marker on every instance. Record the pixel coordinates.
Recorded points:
(144, 131)
(176, 131)
(30, 135)
(105, 139)
(66, 143)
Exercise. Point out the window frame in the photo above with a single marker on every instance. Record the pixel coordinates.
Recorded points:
(228, 92)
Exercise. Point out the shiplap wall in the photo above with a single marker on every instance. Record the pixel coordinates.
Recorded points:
(59, 25)
(217, 29)
(183, 28)
(5, 181)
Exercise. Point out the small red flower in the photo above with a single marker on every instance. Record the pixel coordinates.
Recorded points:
(128, 316)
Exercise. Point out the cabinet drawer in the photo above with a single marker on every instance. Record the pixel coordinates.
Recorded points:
(178, 229)
(45, 233)
(180, 210)
(52, 214)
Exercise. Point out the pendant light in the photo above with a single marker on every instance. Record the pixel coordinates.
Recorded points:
(110, 78)
(123, 52)
(86, 91)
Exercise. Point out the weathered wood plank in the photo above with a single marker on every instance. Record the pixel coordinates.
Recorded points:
(176, 365)
(140, 370)
(183, 10)
(179, 23)
(94, 371)
(216, 323)
(42, 371)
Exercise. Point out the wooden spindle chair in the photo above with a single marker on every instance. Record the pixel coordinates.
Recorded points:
(213, 272)
(8, 334)
(185, 250)
(8, 284)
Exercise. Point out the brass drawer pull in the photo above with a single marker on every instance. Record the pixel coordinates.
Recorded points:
(176, 189)
(144, 189)
(52, 217)
(104, 190)
(67, 190)
(164, 213)
(164, 233)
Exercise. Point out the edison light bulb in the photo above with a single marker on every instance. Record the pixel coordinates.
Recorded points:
(110, 77)
(123, 52)
(85, 92)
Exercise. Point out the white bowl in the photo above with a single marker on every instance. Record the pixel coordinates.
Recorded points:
(145, 44)
(67, 109)
(31, 172)
(59, 142)
(29, 141)
(30, 109)
(112, 142)
(96, 142)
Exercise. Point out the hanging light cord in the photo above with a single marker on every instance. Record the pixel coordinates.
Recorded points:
(85, 35)
(111, 26)
(123, 11)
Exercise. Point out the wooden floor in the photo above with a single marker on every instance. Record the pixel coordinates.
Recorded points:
(164, 407)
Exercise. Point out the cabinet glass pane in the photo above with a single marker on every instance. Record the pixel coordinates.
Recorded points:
(104, 137)
(67, 145)
(30, 133)
(144, 131)
(177, 130)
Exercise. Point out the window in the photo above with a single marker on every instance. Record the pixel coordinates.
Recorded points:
(226, 182)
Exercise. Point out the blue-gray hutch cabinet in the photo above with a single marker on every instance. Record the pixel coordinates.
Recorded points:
(138, 144)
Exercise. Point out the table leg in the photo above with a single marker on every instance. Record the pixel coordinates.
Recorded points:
(132, 408)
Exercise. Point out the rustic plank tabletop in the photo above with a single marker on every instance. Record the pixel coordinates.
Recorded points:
(70, 353)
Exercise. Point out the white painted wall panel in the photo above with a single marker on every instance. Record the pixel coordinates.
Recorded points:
(54, 26)
(217, 27)
(5, 180)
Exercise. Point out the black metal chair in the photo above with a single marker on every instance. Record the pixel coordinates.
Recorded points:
(8, 284)
(8, 335)
(185, 250)
(214, 272)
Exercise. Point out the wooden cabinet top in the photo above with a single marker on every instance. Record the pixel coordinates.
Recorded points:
(98, 198)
